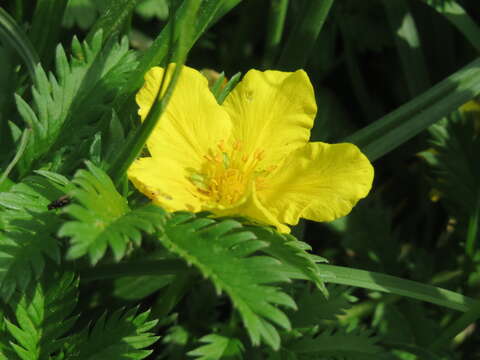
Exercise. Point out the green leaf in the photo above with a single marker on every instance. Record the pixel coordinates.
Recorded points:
(313, 306)
(153, 8)
(275, 25)
(114, 139)
(42, 317)
(159, 50)
(300, 43)
(218, 347)
(457, 15)
(65, 105)
(397, 127)
(103, 218)
(178, 55)
(83, 13)
(409, 47)
(357, 345)
(454, 163)
(27, 231)
(292, 253)
(122, 335)
(223, 252)
(395, 285)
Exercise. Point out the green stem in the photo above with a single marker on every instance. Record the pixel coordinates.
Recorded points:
(301, 41)
(275, 25)
(394, 285)
(135, 144)
(158, 51)
(133, 268)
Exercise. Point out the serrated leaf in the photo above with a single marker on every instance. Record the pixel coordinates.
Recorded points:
(454, 163)
(292, 253)
(122, 335)
(218, 346)
(26, 237)
(223, 252)
(103, 218)
(42, 316)
(313, 307)
(65, 104)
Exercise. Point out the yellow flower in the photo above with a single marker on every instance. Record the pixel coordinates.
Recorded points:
(248, 157)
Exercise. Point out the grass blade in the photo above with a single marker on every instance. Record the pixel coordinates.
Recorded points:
(300, 42)
(45, 30)
(402, 124)
(408, 45)
(134, 145)
(395, 285)
(457, 15)
(12, 34)
(276, 22)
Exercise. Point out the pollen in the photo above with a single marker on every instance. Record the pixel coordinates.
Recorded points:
(228, 173)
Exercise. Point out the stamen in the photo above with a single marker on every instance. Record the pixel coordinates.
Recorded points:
(228, 172)
(226, 160)
(260, 155)
(221, 146)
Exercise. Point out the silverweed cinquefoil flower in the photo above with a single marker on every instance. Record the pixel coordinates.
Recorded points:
(250, 156)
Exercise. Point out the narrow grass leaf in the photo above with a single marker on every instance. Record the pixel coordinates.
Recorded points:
(402, 124)
(457, 15)
(12, 34)
(394, 285)
(300, 43)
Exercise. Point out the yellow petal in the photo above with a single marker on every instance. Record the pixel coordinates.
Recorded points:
(250, 207)
(192, 123)
(319, 181)
(272, 111)
(164, 181)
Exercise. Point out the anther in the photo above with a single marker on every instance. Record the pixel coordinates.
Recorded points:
(221, 146)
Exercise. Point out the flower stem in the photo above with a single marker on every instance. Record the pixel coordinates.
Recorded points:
(135, 144)
(134, 268)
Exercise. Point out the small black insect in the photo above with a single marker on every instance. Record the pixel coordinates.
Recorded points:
(60, 202)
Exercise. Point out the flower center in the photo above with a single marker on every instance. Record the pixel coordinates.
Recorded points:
(228, 173)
